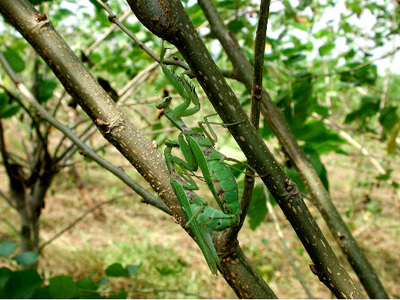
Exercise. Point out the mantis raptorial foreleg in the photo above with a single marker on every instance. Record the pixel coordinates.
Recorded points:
(200, 233)
(199, 212)
(198, 152)
(200, 217)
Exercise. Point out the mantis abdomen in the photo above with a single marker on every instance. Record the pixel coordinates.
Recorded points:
(213, 219)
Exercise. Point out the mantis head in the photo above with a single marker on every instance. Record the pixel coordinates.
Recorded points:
(164, 103)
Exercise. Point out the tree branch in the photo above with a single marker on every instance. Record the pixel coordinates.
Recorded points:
(85, 149)
(168, 20)
(259, 49)
(320, 196)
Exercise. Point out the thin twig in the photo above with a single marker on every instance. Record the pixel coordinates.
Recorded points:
(256, 95)
(76, 221)
(86, 150)
(352, 142)
(112, 17)
(129, 88)
(11, 225)
(107, 33)
(8, 200)
(358, 146)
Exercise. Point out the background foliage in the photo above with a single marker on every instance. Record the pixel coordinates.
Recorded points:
(324, 69)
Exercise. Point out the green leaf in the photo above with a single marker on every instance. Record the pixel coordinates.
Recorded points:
(302, 95)
(9, 111)
(349, 54)
(7, 108)
(313, 130)
(295, 58)
(265, 241)
(389, 117)
(27, 259)
(37, 2)
(374, 208)
(15, 61)
(62, 287)
(132, 269)
(326, 49)
(319, 168)
(60, 14)
(265, 130)
(355, 6)
(42, 293)
(319, 137)
(5, 275)
(385, 176)
(166, 270)
(392, 143)
(46, 89)
(360, 73)
(121, 295)
(22, 284)
(116, 270)
(86, 288)
(7, 247)
(86, 284)
(322, 110)
(258, 208)
(369, 107)
(323, 32)
(236, 25)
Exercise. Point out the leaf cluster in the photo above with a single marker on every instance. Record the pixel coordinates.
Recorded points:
(22, 281)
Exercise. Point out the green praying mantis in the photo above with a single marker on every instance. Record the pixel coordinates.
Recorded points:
(198, 151)
(191, 203)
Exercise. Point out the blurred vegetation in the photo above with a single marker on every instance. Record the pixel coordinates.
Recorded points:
(322, 69)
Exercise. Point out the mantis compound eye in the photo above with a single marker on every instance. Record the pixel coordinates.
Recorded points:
(164, 103)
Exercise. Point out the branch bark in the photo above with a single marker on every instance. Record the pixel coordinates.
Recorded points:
(169, 20)
(36, 28)
(320, 196)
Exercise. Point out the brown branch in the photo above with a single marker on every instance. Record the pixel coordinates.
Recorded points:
(276, 121)
(256, 95)
(169, 20)
(84, 88)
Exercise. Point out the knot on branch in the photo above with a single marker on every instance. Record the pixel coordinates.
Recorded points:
(226, 247)
(159, 16)
(291, 190)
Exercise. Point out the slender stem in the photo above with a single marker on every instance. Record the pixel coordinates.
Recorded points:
(171, 22)
(114, 19)
(276, 121)
(106, 34)
(259, 50)
(87, 151)
(76, 221)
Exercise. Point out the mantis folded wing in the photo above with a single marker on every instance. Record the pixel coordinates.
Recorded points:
(200, 232)
(199, 152)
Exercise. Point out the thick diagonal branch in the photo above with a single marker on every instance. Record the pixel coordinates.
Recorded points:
(169, 21)
(320, 196)
(37, 29)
